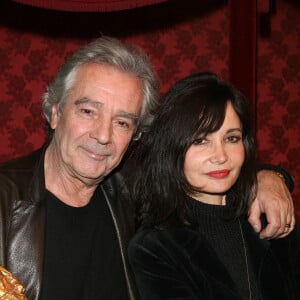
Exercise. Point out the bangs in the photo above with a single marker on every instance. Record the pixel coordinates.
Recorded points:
(194, 108)
(211, 117)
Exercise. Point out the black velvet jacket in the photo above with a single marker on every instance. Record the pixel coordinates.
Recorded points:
(181, 264)
(22, 220)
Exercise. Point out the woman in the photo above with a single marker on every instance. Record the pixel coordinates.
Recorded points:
(194, 186)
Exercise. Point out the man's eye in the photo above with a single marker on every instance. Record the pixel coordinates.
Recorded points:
(123, 124)
(86, 111)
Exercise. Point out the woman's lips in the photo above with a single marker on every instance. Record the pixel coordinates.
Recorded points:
(218, 174)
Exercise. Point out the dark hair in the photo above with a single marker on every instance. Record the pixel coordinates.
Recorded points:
(194, 105)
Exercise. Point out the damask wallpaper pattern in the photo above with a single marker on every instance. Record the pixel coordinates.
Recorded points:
(278, 91)
(180, 38)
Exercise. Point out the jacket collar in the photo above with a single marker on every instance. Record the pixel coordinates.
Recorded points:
(25, 260)
(117, 198)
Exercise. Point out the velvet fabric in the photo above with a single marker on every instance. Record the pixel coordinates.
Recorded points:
(181, 264)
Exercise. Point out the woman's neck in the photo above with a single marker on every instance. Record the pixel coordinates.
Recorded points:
(213, 199)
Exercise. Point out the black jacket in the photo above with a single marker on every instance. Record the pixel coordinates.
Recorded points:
(180, 264)
(22, 220)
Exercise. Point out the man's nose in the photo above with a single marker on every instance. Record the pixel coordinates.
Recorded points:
(102, 131)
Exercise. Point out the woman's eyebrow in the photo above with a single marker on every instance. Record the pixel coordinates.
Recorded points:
(234, 129)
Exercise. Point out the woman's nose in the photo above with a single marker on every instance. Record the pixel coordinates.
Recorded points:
(219, 155)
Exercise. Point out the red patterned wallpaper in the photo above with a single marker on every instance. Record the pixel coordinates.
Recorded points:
(278, 101)
(180, 38)
(34, 42)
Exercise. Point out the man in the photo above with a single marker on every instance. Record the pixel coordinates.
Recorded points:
(65, 219)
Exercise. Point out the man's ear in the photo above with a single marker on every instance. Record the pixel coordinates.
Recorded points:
(54, 116)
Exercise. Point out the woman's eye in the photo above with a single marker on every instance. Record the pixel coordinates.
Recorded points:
(234, 139)
(199, 141)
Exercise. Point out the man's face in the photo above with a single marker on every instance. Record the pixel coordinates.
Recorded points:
(96, 125)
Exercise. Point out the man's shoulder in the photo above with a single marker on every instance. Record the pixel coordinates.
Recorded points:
(22, 163)
(17, 173)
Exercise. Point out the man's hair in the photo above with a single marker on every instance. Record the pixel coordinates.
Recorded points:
(111, 52)
(195, 106)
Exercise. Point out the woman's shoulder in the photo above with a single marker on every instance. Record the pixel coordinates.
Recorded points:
(290, 242)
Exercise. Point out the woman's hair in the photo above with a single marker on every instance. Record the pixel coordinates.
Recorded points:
(111, 52)
(194, 106)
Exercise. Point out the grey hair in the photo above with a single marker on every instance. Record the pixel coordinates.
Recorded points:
(112, 52)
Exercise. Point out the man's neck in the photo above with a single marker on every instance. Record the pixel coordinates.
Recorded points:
(69, 189)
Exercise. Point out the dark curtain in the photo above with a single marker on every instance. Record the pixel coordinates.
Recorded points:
(243, 35)
(242, 46)
(89, 5)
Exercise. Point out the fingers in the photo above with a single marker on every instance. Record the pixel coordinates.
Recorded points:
(279, 215)
(277, 228)
(288, 227)
(275, 200)
(288, 219)
(274, 229)
(254, 216)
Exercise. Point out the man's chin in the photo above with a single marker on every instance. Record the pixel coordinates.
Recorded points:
(93, 172)
(91, 177)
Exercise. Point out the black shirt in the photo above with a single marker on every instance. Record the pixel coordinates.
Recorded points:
(82, 255)
(226, 238)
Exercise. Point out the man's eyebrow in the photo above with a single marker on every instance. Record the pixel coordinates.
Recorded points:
(85, 100)
(128, 115)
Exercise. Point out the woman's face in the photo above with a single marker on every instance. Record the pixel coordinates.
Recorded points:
(213, 162)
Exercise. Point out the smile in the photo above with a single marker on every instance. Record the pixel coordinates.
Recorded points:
(97, 155)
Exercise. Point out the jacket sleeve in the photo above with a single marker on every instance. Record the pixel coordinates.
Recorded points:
(157, 274)
(7, 191)
(288, 179)
(295, 255)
